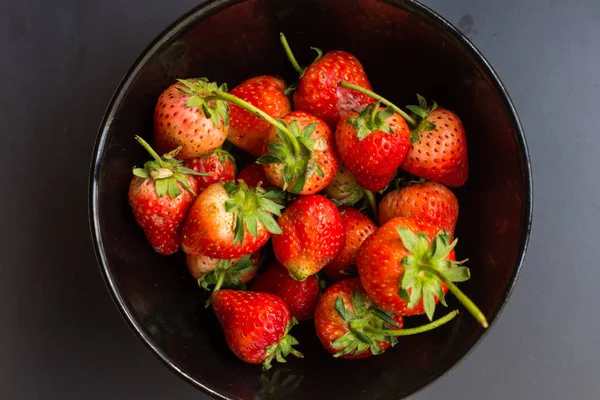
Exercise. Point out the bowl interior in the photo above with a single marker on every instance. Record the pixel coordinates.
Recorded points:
(405, 49)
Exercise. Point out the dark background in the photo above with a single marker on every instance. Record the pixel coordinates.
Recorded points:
(61, 337)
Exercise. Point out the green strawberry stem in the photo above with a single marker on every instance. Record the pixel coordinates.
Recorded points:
(414, 331)
(374, 111)
(465, 301)
(149, 149)
(371, 199)
(411, 121)
(218, 285)
(290, 54)
(220, 95)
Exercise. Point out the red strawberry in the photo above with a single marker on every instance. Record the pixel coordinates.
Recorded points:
(374, 183)
(407, 273)
(253, 175)
(428, 202)
(358, 228)
(256, 325)
(318, 92)
(246, 130)
(312, 236)
(160, 195)
(349, 325)
(229, 221)
(218, 166)
(373, 142)
(301, 297)
(234, 273)
(439, 149)
(183, 117)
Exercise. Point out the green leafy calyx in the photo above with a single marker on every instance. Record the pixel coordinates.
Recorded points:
(420, 113)
(228, 274)
(371, 119)
(362, 322)
(199, 89)
(419, 281)
(165, 171)
(251, 207)
(283, 348)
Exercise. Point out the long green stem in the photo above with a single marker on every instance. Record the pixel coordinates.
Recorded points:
(149, 149)
(290, 54)
(220, 95)
(218, 285)
(374, 95)
(371, 199)
(419, 329)
(465, 301)
(374, 111)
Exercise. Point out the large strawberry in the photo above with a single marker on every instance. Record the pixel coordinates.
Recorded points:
(184, 117)
(219, 273)
(427, 201)
(358, 228)
(246, 130)
(256, 325)
(218, 166)
(407, 265)
(318, 92)
(160, 195)
(230, 220)
(372, 143)
(312, 235)
(350, 326)
(301, 297)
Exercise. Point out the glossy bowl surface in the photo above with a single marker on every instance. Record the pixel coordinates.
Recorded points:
(405, 48)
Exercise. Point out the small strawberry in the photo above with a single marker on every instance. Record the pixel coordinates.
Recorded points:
(246, 130)
(254, 175)
(344, 190)
(312, 235)
(230, 220)
(218, 166)
(373, 143)
(350, 325)
(301, 297)
(358, 228)
(407, 273)
(232, 274)
(160, 195)
(318, 92)
(428, 202)
(256, 326)
(185, 117)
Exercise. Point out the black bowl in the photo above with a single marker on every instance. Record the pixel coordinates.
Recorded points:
(405, 48)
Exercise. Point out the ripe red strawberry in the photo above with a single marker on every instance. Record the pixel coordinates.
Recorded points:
(373, 142)
(229, 221)
(256, 325)
(358, 228)
(301, 297)
(312, 235)
(253, 175)
(232, 274)
(374, 183)
(428, 202)
(407, 273)
(183, 117)
(246, 130)
(160, 195)
(439, 150)
(318, 92)
(349, 325)
(218, 166)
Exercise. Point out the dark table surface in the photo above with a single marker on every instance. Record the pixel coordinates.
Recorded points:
(61, 337)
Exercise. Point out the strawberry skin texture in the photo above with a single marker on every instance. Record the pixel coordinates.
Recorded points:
(329, 324)
(160, 217)
(175, 125)
(380, 268)
(246, 130)
(358, 228)
(313, 235)
(440, 155)
(301, 297)
(254, 174)
(318, 92)
(379, 153)
(374, 183)
(251, 321)
(209, 228)
(218, 170)
(324, 154)
(428, 202)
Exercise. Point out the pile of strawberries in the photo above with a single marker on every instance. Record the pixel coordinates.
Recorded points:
(320, 168)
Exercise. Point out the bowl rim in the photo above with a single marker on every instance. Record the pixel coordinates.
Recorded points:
(207, 8)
